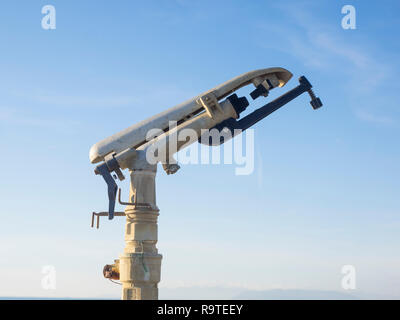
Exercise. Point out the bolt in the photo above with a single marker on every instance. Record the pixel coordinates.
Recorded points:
(312, 94)
(315, 101)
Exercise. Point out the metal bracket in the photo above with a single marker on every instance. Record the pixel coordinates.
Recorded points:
(134, 203)
(103, 214)
(262, 89)
(122, 202)
(210, 103)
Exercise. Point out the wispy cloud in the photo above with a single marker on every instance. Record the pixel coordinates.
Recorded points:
(322, 50)
(358, 66)
(62, 99)
(139, 95)
(85, 101)
(17, 117)
(326, 47)
(369, 117)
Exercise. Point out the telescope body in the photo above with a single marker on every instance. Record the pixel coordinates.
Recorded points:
(135, 135)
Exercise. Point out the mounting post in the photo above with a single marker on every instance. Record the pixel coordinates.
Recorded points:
(140, 263)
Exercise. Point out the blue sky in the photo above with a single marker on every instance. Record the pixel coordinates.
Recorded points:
(325, 190)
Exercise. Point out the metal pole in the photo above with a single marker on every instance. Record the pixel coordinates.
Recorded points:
(140, 263)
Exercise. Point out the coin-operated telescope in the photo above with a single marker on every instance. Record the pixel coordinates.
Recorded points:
(219, 108)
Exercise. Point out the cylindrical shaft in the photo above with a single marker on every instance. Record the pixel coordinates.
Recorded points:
(140, 264)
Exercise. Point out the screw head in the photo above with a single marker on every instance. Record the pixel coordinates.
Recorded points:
(316, 103)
